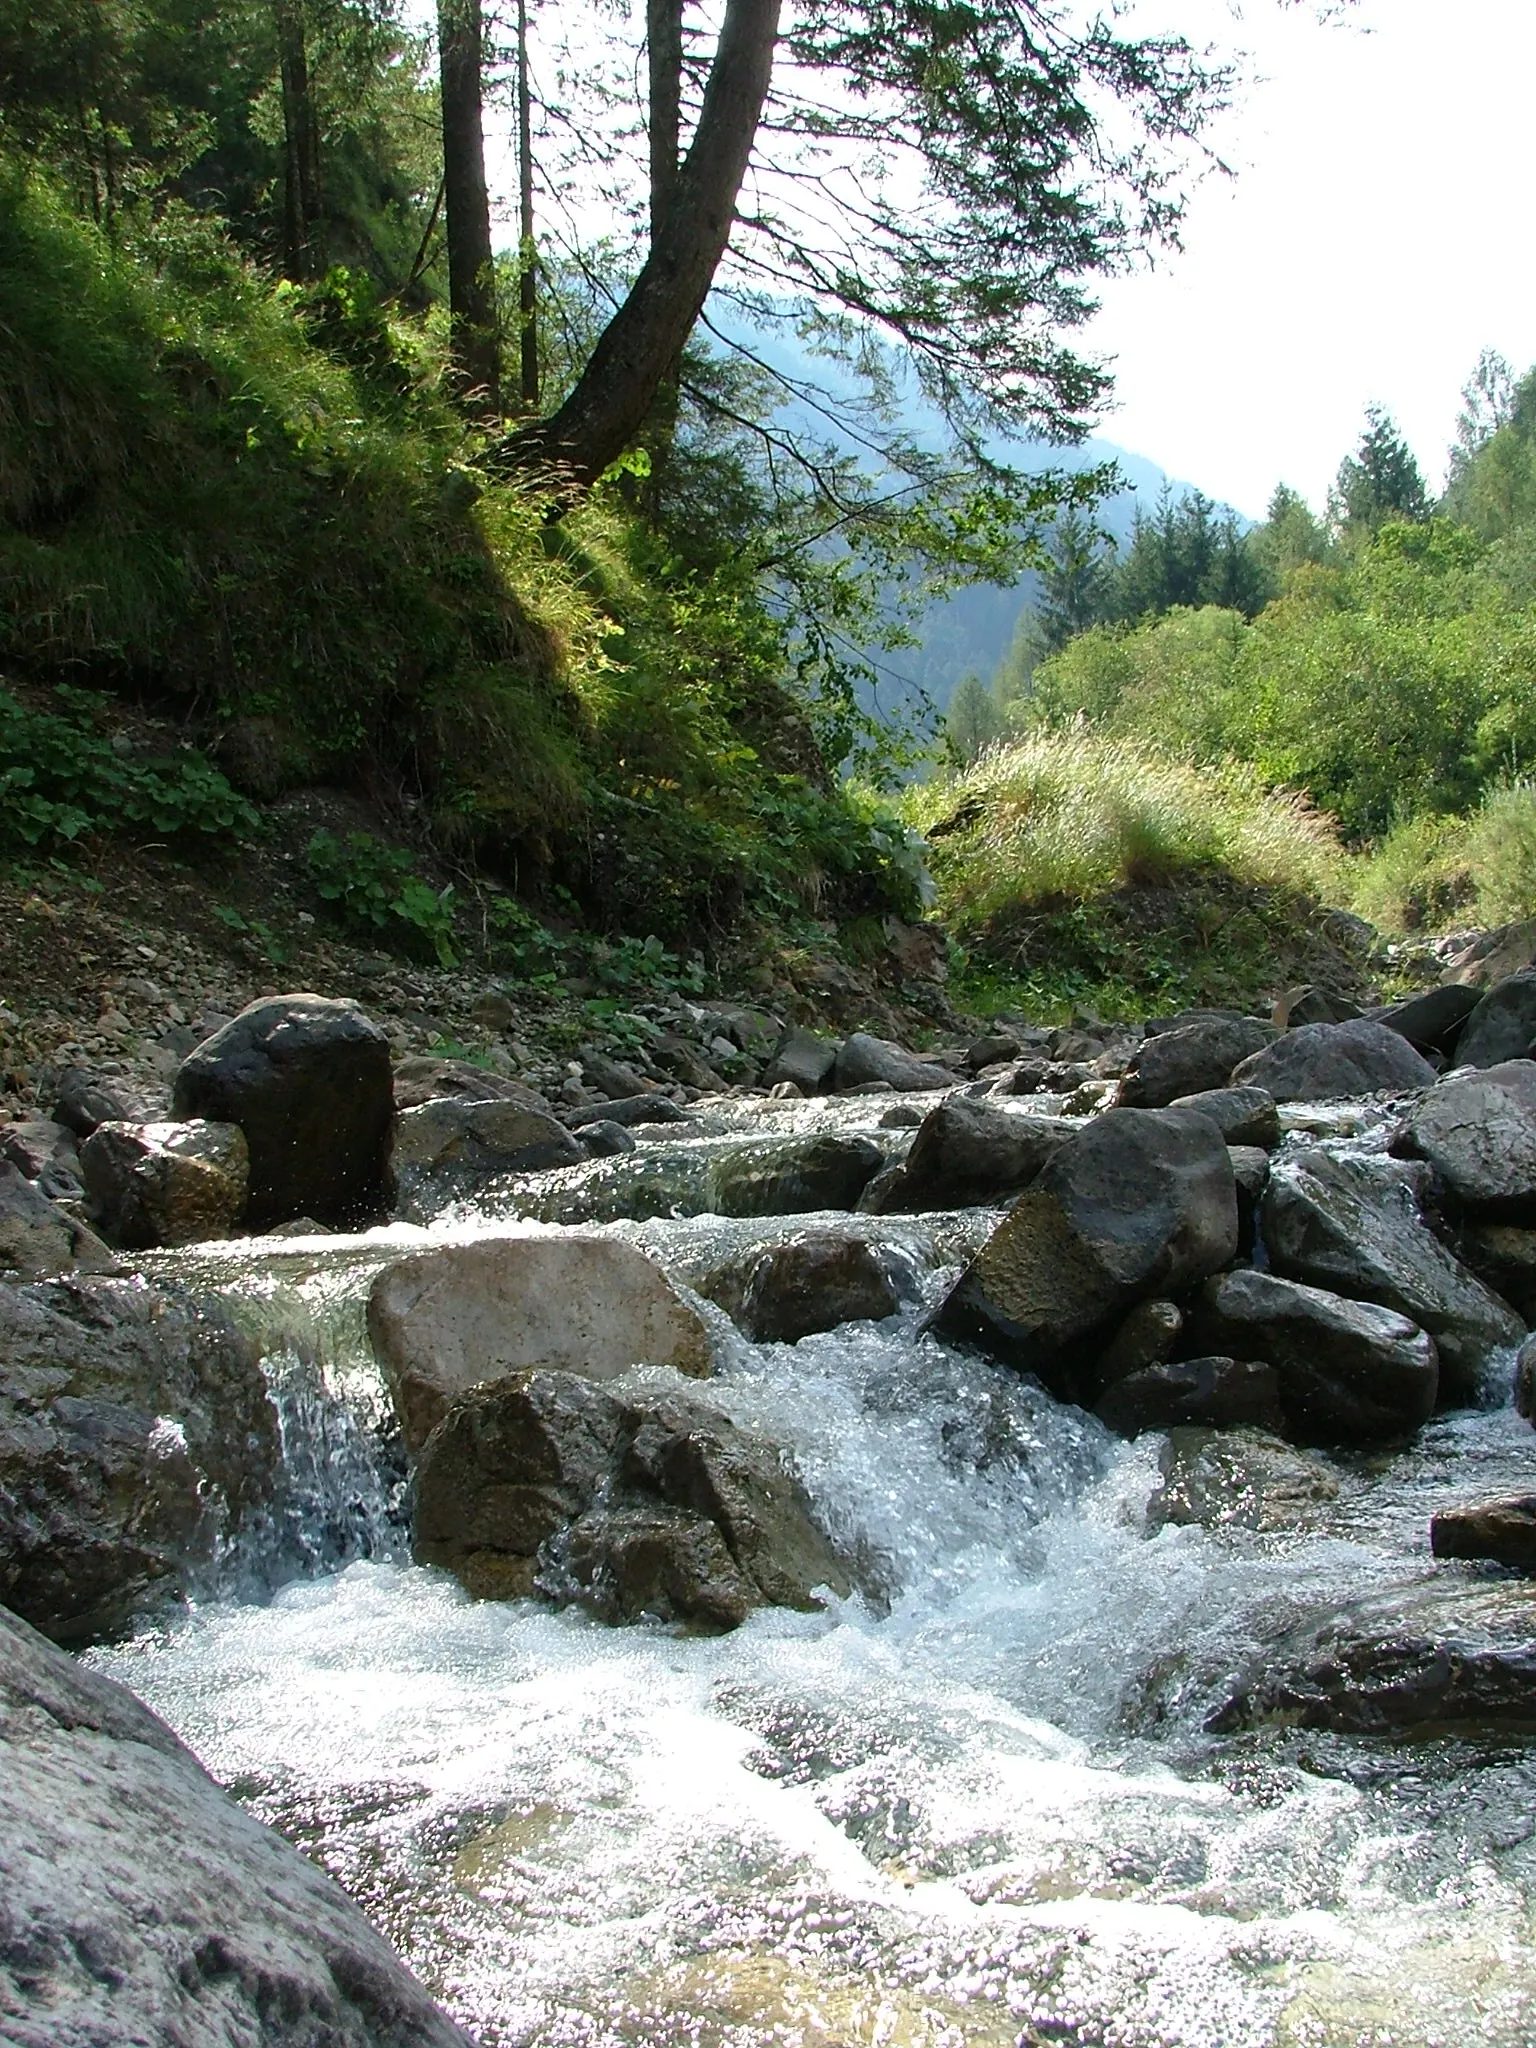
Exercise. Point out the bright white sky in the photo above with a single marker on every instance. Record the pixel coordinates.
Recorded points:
(1375, 239)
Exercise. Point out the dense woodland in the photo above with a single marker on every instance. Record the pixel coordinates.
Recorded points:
(521, 527)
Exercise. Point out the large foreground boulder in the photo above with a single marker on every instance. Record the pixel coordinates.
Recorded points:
(629, 1501)
(140, 1905)
(1142, 1203)
(1478, 1131)
(1346, 1225)
(1503, 1025)
(137, 1442)
(39, 1239)
(308, 1081)
(1332, 1062)
(446, 1320)
(1350, 1373)
(447, 1150)
(1194, 1058)
(166, 1184)
(968, 1151)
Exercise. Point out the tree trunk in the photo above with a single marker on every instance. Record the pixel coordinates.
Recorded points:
(527, 251)
(303, 249)
(664, 54)
(641, 343)
(471, 272)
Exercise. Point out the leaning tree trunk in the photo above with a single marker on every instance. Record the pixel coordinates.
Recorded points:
(642, 342)
(303, 240)
(527, 247)
(471, 271)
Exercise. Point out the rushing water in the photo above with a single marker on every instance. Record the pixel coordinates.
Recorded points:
(985, 1812)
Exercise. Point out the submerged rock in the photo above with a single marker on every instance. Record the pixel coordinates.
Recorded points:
(1329, 1062)
(630, 1502)
(137, 1441)
(1142, 1203)
(142, 1905)
(1342, 1224)
(1497, 1531)
(1196, 1057)
(1240, 1478)
(968, 1151)
(1350, 1372)
(308, 1081)
(39, 1239)
(1478, 1131)
(166, 1184)
(446, 1320)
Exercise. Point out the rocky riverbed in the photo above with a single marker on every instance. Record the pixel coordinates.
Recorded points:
(915, 1548)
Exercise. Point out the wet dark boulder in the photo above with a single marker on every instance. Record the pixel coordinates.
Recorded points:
(1490, 1531)
(1503, 1025)
(1217, 1393)
(1432, 1020)
(308, 1081)
(448, 1150)
(969, 1151)
(1348, 1225)
(1503, 1255)
(1350, 1373)
(143, 1905)
(1149, 1334)
(795, 1177)
(1142, 1203)
(1190, 1060)
(1478, 1132)
(813, 1283)
(1332, 1062)
(137, 1442)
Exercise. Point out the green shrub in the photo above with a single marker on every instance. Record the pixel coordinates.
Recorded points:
(376, 891)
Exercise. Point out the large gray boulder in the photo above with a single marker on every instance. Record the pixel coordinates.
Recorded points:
(968, 1151)
(629, 1501)
(1350, 1373)
(794, 1178)
(1196, 1057)
(1433, 1019)
(1142, 1203)
(1503, 1025)
(137, 1443)
(1348, 1226)
(166, 1183)
(1244, 1116)
(308, 1081)
(1332, 1062)
(446, 1151)
(446, 1320)
(1478, 1131)
(39, 1239)
(140, 1907)
(862, 1059)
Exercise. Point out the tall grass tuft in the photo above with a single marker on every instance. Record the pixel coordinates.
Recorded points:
(1433, 874)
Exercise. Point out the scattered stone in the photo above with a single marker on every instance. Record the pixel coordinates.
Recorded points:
(421, 1079)
(46, 1152)
(795, 1177)
(1026, 1076)
(631, 1110)
(136, 1442)
(1350, 1373)
(610, 1077)
(1333, 1062)
(1495, 1531)
(804, 1060)
(995, 1049)
(813, 1283)
(447, 1151)
(1193, 1059)
(1478, 1132)
(1311, 1005)
(1244, 1116)
(1246, 1479)
(1142, 1203)
(901, 1116)
(1493, 956)
(863, 1058)
(84, 1102)
(968, 1151)
(1432, 1020)
(1219, 1393)
(142, 1904)
(446, 1320)
(38, 1239)
(1146, 1337)
(631, 1503)
(165, 1184)
(308, 1081)
(1503, 1025)
(605, 1139)
(493, 1011)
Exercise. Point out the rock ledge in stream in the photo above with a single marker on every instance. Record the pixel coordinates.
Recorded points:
(630, 1502)
(444, 1321)
(141, 1905)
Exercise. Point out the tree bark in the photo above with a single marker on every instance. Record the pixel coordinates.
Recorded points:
(641, 343)
(527, 248)
(471, 273)
(664, 56)
(303, 240)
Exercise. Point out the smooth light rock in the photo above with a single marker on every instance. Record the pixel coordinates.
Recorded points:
(1495, 1531)
(137, 1441)
(1493, 956)
(142, 1908)
(1333, 1062)
(1350, 1373)
(813, 1283)
(1503, 1026)
(969, 1151)
(1146, 1337)
(864, 1058)
(38, 1239)
(1244, 1116)
(795, 1177)
(804, 1059)
(446, 1151)
(1142, 1203)
(166, 1184)
(446, 1320)
(1337, 1223)
(630, 1502)
(308, 1081)
(1432, 1020)
(1191, 1060)
(424, 1078)
(1478, 1132)
(1218, 1393)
